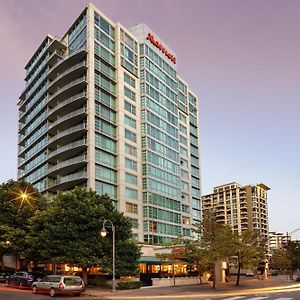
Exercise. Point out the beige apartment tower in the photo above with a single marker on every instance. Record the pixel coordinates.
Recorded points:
(104, 108)
(241, 207)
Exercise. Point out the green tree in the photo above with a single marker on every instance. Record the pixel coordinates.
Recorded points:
(18, 203)
(196, 255)
(293, 255)
(279, 260)
(249, 251)
(216, 243)
(68, 232)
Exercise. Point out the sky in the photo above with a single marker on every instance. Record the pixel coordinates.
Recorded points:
(241, 57)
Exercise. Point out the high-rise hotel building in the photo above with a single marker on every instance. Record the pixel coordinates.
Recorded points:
(241, 207)
(105, 108)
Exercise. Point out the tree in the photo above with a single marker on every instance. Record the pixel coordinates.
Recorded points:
(195, 254)
(249, 251)
(279, 260)
(215, 244)
(68, 232)
(18, 202)
(293, 255)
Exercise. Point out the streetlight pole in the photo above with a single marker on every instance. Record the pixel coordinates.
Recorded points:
(103, 233)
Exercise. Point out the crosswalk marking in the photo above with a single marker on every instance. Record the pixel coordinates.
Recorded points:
(235, 298)
(254, 298)
(257, 298)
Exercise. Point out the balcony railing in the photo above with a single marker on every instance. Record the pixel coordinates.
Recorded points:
(42, 53)
(77, 112)
(66, 58)
(70, 177)
(66, 102)
(61, 75)
(67, 147)
(66, 132)
(74, 176)
(42, 65)
(74, 160)
(64, 88)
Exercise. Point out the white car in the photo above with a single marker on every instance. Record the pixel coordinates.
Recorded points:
(59, 284)
(249, 273)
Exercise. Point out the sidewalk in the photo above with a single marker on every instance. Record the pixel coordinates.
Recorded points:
(247, 285)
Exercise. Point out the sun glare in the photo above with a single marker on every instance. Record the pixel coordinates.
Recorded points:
(23, 196)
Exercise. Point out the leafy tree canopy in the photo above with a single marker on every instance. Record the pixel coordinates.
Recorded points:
(217, 242)
(293, 254)
(68, 232)
(18, 203)
(279, 260)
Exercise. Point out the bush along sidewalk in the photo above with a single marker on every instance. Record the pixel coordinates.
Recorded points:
(129, 285)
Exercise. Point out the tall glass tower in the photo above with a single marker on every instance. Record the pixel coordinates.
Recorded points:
(105, 108)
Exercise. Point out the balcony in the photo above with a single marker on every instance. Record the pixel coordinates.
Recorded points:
(35, 98)
(71, 104)
(25, 173)
(68, 166)
(76, 86)
(68, 150)
(67, 182)
(55, 44)
(68, 61)
(33, 114)
(51, 58)
(68, 135)
(67, 76)
(25, 136)
(69, 119)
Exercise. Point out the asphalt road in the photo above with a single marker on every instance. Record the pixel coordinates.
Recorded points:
(183, 293)
(16, 294)
(276, 296)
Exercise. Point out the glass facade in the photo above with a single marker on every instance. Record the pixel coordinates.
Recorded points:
(105, 108)
(167, 153)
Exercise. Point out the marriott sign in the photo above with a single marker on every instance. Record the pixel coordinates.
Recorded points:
(157, 44)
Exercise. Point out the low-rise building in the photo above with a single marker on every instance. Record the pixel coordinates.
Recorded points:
(277, 240)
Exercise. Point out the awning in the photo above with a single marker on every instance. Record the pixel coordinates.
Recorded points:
(150, 260)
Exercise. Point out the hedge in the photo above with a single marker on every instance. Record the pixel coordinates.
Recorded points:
(129, 285)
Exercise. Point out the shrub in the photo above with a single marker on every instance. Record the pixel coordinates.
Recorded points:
(129, 285)
(98, 282)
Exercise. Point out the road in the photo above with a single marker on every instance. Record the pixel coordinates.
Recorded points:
(277, 296)
(16, 294)
(183, 293)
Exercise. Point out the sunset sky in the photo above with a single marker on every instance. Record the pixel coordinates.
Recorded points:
(241, 57)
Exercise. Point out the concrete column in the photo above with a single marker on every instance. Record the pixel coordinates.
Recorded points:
(220, 268)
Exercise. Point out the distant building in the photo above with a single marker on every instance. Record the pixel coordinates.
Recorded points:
(241, 207)
(277, 240)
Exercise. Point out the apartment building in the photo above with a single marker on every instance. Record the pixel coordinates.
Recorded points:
(104, 108)
(277, 240)
(241, 207)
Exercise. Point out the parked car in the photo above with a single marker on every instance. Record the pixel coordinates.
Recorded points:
(249, 273)
(22, 279)
(4, 275)
(59, 284)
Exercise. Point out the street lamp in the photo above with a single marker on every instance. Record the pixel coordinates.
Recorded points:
(289, 235)
(103, 233)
